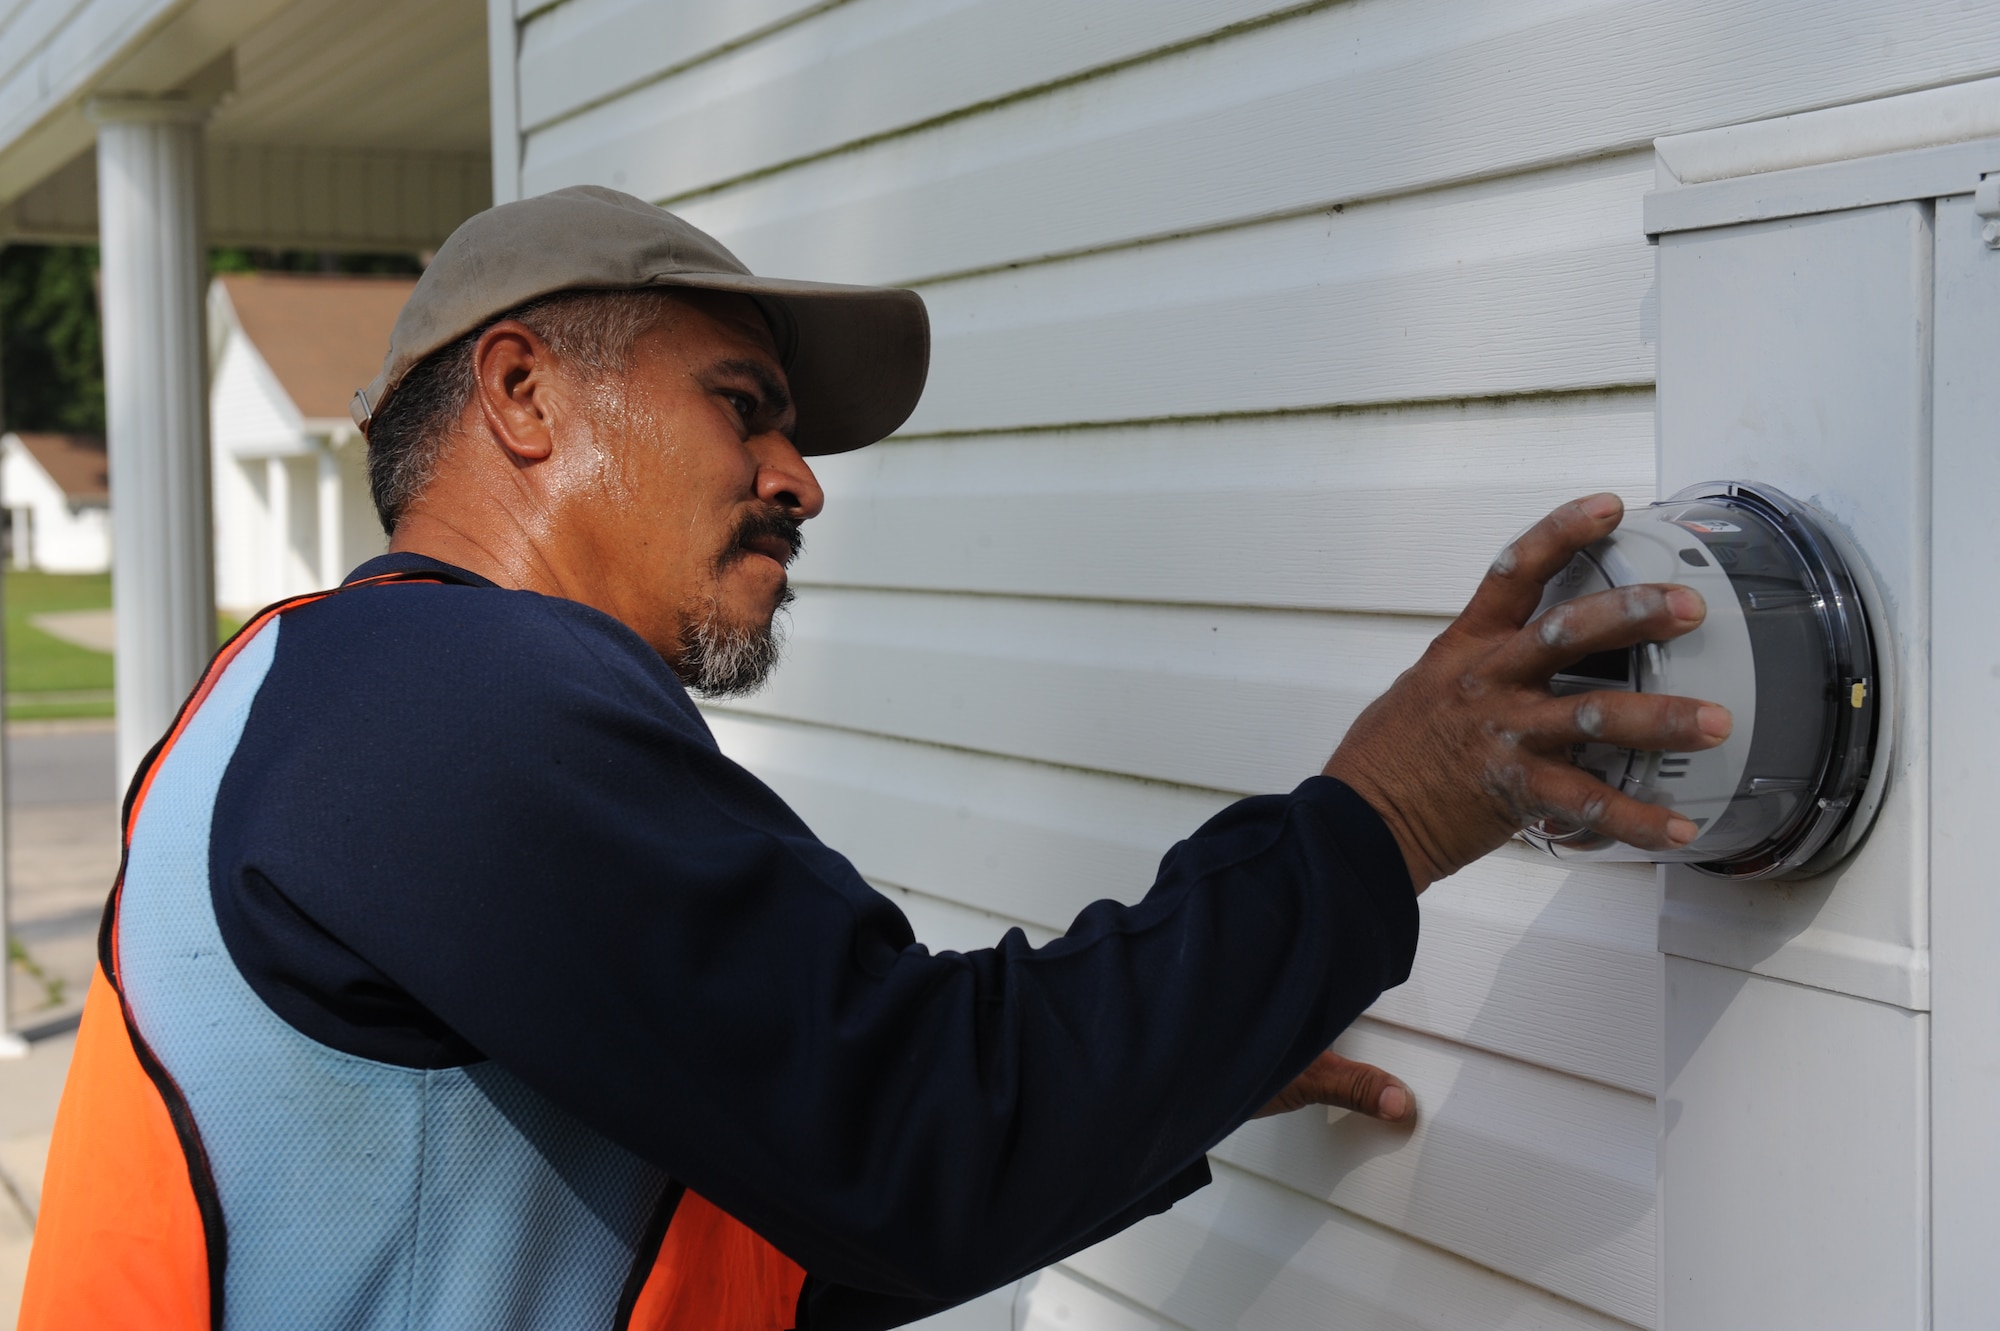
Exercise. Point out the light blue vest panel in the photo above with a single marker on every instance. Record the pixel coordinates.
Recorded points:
(358, 1196)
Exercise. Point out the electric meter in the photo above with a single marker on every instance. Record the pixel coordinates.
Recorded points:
(1787, 647)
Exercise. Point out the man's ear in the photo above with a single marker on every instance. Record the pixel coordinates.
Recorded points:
(515, 386)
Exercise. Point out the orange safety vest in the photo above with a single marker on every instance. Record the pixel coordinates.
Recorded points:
(134, 1231)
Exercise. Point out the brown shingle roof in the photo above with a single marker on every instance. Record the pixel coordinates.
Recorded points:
(75, 462)
(322, 336)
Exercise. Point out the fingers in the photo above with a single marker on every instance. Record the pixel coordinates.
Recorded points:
(1512, 587)
(1345, 1084)
(1621, 617)
(1573, 798)
(1632, 721)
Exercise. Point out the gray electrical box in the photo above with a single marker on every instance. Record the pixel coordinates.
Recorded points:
(1828, 313)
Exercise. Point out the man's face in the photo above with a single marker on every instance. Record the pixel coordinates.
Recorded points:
(685, 490)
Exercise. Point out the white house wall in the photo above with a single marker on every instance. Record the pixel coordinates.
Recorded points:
(240, 539)
(255, 562)
(361, 536)
(255, 426)
(50, 533)
(1259, 329)
(248, 573)
(293, 561)
(249, 414)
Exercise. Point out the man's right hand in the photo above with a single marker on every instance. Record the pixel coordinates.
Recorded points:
(1469, 745)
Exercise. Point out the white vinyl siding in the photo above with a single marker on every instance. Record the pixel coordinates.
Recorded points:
(1259, 328)
(48, 48)
(249, 414)
(257, 432)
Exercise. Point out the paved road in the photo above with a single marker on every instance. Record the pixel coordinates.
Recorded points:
(61, 762)
(63, 854)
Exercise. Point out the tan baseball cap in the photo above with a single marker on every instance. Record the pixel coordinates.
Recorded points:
(856, 356)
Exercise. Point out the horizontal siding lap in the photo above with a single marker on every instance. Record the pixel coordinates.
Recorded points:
(860, 69)
(26, 69)
(1250, 1255)
(1545, 963)
(1263, 118)
(1494, 289)
(1251, 127)
(32, 28)
(1225, 699)
(1395, 511)
(1032, 843)
(1531, 1174)
(1539, 961)
(52, 49)
(586, 50)
(1263, 123)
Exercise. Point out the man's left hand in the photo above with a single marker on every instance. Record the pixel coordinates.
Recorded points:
(1345, 1084)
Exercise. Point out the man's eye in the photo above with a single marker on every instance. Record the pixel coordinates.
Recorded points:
(745, 405)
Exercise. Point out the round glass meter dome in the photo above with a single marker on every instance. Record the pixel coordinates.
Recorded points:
(1787, 647)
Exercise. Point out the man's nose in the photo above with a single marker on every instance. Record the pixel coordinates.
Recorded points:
(784, 479)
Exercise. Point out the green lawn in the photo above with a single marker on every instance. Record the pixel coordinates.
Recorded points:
(75, 681)
(47, 676)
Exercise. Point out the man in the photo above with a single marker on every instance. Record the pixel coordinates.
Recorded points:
(455, 979)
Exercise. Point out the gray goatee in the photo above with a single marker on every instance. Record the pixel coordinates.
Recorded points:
(729, 660)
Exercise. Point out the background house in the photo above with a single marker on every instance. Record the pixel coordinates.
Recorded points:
(292, 512)
(57, 492)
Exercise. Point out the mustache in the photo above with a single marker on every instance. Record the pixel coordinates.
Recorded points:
(760, 524)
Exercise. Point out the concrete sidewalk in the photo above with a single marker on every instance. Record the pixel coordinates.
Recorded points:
(29, 1090)
(63, 854)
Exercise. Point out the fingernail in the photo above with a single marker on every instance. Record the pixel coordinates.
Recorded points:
(1686, 603)
(1715, 722)
(1394, 1103)
(1603, 505)
(1680, 831)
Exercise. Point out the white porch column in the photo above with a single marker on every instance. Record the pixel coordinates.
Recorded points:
(330, 568)
(149, 153)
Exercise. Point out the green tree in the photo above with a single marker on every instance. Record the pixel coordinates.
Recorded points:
(51, 346)
(51, 343)
(241, 259)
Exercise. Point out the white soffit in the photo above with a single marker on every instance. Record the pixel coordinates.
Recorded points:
(1927, 144)
(339, 97)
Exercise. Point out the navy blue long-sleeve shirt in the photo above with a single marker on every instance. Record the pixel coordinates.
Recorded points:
(467, 823)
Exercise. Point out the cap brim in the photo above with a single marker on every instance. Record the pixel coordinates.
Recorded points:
(857, 356)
